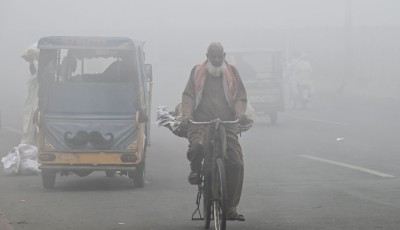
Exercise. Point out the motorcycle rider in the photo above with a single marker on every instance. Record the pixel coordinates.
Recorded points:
(300, 78)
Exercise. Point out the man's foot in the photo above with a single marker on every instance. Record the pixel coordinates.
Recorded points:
(234, 216)
(194, 178)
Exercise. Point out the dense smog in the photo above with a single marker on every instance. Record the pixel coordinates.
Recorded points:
(104, 105)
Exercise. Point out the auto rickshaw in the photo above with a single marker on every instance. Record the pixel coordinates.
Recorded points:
(94, 107)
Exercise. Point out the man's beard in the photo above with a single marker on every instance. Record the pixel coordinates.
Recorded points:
(215, 71)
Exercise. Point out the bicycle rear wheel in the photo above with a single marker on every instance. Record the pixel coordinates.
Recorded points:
(219, 204)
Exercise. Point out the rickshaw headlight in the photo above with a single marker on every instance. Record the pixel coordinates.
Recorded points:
(128, 157)
(47, 157)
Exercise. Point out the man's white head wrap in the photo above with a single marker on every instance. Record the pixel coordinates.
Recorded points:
(31, 53)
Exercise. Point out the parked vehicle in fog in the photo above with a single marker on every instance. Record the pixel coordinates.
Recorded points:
(94, 105)
(262, 74)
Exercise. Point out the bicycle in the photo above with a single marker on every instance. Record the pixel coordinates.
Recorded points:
(212, 186)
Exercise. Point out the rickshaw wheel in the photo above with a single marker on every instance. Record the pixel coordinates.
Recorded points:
(138, 175)
(48, 179)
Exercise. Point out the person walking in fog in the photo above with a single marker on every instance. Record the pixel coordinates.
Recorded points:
(31, 55)
(300, 78)
(215, 90)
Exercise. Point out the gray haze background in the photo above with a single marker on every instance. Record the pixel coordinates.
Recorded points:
(177, 33)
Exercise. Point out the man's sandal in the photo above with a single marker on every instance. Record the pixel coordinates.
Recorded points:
(194, 178)
(235, 216)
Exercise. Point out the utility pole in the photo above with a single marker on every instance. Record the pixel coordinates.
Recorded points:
(348, 52)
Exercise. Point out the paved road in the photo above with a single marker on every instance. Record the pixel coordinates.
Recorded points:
(332, 166)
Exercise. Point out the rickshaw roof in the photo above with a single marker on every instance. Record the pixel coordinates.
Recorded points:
(71, 42)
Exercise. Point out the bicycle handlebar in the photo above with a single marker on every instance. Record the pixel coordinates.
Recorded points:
(213, 122)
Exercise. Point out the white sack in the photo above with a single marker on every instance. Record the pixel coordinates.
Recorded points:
(11, 162)
(21, 160)
(29, 164)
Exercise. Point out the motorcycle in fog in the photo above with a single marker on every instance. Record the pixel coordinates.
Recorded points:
(301, 95)
(300, 81)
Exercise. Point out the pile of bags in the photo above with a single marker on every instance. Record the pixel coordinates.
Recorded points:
(171, 120)
(21, 160)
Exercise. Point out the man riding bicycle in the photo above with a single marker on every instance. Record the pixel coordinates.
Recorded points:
(215, 90)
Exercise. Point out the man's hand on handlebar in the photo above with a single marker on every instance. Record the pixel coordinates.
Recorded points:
(185, 122)
(241, 117)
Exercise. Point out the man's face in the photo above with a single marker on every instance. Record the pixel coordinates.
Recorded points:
(216, 58)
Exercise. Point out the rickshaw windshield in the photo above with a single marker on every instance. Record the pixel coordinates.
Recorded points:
(91, 81)
(95, 65)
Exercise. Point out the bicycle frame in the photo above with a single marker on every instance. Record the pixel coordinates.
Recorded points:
(213, 183)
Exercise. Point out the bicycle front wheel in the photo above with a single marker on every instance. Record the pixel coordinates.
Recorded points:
(219, 204)
(207, 200)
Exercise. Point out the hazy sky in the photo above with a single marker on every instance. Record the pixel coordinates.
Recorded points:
(145, 18)
(24, 21)
(78, 14)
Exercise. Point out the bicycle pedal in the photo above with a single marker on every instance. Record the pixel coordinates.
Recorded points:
(197, 218)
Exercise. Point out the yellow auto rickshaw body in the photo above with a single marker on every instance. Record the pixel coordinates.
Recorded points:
(94, 105)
